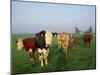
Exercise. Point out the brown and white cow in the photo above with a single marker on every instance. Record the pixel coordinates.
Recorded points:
(33, 44)
(29, 44)
(87, 37)
(41, 42)
(63, 41)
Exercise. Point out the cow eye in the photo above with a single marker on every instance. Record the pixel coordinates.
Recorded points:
(40, 54)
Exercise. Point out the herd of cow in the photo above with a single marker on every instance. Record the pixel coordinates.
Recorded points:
(42, 42)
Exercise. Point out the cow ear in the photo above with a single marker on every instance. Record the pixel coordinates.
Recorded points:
(16, 41)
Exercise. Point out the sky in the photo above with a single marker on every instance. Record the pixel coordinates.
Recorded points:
(32, 17)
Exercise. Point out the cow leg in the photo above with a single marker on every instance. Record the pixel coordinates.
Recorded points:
(66, 51)
(48, 51)
(89, 45)
(45, 55)
(46, 61)
(59, 45)
(65, 48)
(31, 54)
(42, 62)
(40, 56)
(84, 44)
(41, 59)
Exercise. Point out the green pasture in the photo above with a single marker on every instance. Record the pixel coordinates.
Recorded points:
(79, 57)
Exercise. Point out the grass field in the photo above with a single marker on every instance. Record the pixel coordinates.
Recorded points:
(79, 57)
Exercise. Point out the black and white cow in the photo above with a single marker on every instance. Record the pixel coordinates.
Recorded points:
(42, 49)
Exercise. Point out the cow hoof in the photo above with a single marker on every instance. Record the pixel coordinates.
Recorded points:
(31, 59)
(46, 63)
(41, 65)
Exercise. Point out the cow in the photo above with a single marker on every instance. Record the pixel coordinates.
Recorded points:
(29, 44)
(63, 40)
(33, 44)
(48, 38)
(87, 37)
(42, 48)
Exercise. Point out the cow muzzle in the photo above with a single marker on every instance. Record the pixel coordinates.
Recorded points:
(19, 49)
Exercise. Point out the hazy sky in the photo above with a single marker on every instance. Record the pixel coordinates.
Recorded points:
(30, 17)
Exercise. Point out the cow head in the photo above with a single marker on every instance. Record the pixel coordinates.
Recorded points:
(62, 36)
(19, 44)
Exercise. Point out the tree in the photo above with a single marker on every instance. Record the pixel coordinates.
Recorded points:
(77, 30)
(89, 30)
